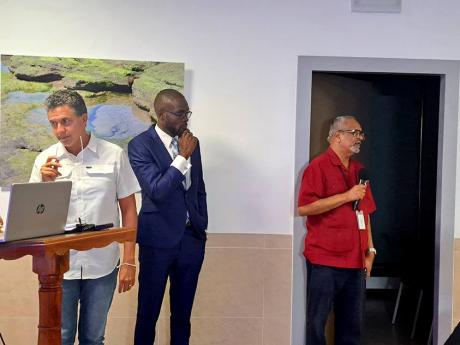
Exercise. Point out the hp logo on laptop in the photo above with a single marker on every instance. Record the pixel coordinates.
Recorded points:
(40, 209)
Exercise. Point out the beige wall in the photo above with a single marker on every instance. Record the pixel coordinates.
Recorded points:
(244, 296)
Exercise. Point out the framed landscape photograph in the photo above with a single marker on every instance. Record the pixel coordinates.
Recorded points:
(119, 95)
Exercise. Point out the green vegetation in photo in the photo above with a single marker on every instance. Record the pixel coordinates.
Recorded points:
(16, 131)
(21, 163)
(118, 93)
(10, 84)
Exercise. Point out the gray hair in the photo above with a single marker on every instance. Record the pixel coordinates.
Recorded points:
(69, 98)
(336, 125)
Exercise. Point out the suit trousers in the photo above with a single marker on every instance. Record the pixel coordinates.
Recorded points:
(182, 264)
(342, 289)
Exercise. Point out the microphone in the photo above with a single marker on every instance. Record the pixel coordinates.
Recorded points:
(363, 179)
(82, 227)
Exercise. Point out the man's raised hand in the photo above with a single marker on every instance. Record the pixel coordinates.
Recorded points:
(49, 170)
(187, 144)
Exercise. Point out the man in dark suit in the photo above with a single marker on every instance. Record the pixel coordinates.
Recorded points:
(173, 219)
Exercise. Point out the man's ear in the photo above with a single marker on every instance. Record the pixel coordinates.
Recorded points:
(153, 117)
(337, 136)
(160, 117)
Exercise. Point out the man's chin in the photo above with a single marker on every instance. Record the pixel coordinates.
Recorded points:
(355, 149)
(66, 142)
(181, 130)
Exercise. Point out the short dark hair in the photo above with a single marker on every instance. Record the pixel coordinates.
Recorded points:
(163, 97)
(66, 97)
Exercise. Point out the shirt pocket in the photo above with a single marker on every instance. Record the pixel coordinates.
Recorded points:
(100, 180)
(104, 171)
(338, 233)
(335, 185)
(338, 240)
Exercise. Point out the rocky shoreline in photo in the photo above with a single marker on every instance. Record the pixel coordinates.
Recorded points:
(120, 92)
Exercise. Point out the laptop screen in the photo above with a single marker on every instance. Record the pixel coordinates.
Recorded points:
(37, 209)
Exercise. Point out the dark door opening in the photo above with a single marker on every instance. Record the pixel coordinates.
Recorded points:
(400, 116)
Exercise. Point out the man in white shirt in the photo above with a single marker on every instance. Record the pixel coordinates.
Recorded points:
(102, 181)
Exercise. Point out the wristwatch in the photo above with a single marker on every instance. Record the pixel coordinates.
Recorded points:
(372, 250)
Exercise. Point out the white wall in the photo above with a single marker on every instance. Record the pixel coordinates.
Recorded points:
(241, 59)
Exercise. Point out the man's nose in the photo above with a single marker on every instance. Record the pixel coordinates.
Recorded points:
(60, 128)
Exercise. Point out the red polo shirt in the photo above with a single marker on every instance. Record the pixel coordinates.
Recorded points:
(333, 237)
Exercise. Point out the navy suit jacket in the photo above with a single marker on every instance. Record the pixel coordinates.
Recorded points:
(165, 202)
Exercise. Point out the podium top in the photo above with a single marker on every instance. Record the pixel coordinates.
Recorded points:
(61, 244)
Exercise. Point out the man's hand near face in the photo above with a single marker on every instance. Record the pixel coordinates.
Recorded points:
(49, 170)
(187, 144)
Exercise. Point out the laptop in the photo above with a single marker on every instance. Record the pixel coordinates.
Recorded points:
(36, 210)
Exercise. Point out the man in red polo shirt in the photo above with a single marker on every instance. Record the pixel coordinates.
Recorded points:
(338, 247)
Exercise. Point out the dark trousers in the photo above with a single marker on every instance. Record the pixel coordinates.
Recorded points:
(182, 265)
(342, 289)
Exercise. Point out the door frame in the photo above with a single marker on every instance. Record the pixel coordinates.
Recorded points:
(446, 178)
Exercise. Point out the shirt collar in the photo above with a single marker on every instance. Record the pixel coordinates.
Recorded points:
(92, 144)
(165, 137)
(62, 151)
(335, 160)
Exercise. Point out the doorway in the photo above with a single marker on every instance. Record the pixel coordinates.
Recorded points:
(410, 112)
(399, 114)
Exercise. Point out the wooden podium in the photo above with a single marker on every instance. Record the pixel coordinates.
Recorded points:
(50, 259)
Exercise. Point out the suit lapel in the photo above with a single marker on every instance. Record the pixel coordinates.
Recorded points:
(159, 148)
(160, 151)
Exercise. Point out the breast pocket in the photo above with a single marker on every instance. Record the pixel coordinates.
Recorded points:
(100, 177)
(105, 171)
(335, 185)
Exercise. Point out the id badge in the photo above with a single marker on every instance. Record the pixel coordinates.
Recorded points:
(361, 221)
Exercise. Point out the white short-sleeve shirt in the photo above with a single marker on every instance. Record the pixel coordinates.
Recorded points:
(100, 175)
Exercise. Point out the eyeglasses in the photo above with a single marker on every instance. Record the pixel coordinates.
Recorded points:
(354, 132)
(181, 114)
